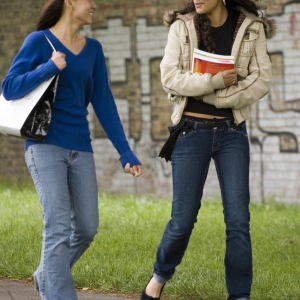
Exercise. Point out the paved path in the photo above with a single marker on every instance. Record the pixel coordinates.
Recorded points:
(21, 290)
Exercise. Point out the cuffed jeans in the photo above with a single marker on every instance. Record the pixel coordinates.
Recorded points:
(66, 184)
(229, 147)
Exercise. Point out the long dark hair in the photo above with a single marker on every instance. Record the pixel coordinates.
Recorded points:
(203, 22)
(50, 14)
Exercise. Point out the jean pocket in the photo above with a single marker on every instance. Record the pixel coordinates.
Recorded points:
(240, 128)
(186, 132)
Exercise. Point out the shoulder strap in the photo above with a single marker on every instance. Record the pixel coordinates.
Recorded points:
(49, 42)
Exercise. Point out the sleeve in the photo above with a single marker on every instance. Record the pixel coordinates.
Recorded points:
(254, 86)
(106, 111)
(176, 79)
(31, 66)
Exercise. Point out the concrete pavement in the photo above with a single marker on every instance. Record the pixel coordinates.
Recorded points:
(21, 290)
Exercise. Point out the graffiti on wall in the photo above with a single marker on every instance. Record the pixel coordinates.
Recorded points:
(276, 116)
(133, 54)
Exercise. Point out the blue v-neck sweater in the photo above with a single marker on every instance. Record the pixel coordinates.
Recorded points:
(83, 81)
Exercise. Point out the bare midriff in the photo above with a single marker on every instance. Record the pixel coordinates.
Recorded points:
(203, 116)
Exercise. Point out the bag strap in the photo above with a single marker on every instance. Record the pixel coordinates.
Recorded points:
(49, 42)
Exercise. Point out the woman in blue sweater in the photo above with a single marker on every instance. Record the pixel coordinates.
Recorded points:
(62, 167)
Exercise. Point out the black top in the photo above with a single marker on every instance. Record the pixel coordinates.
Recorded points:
(223, 38)
(223, 35)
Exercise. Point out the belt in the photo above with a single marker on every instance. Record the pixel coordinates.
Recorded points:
(188, 123)
(207, 123)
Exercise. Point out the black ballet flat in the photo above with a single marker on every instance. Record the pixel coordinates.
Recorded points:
(144, 296)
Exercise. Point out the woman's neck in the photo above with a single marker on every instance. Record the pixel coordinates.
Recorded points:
(65, 32)
(218, 16)
(67, 28)
(69, 36)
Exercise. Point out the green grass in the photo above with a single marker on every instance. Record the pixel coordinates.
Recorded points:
(121, 257)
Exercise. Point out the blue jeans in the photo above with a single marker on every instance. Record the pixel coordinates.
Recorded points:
(229, 147)
(66, 184)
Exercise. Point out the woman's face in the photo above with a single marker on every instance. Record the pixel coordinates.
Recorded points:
(206, 6)
(83, 11)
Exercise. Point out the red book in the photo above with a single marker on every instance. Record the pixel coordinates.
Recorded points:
(205, 62)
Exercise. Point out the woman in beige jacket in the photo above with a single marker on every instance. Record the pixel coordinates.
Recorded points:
(209, 123)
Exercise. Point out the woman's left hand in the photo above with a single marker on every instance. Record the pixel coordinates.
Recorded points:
(136, 170)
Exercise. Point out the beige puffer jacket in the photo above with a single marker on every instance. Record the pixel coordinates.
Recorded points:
(251, 60)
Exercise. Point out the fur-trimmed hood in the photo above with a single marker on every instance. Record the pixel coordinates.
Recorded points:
(270, 25)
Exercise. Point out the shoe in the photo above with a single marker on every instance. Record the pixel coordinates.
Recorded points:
(36, 283)
(144, 296)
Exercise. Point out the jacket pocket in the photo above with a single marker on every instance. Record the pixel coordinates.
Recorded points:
(249, 41)
(178, 110)
(247, 49)
(175, 98)
(185, 50)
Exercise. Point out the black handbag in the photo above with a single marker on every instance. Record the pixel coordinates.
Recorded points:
(30, 116)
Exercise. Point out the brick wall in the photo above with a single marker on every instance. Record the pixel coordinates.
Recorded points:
(17, 19)
(133, 39)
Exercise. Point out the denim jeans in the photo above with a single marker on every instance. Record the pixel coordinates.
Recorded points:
(66, 184)
(228, 145)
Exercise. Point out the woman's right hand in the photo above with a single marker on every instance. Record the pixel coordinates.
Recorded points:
(59, 59)
(230, 77)
(136, 170)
